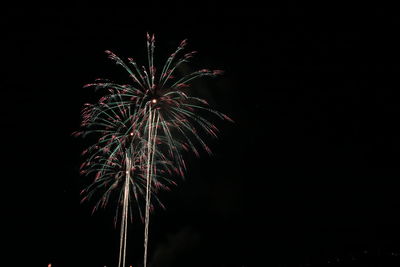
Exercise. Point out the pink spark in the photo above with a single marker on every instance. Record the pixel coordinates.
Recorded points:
(183, 43)
(218, 72)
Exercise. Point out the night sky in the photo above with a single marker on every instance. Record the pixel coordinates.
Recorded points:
(308, 172)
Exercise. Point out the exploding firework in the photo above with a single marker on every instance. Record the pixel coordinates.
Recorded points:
(142, 129)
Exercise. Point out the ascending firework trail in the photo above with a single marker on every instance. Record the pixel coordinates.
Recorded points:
(142, 129)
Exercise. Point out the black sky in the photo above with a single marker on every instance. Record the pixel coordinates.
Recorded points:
(308, 170)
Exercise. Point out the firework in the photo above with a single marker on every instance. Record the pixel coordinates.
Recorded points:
(142, 129)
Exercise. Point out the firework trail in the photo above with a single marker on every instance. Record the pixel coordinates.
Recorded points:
(142, 129)
(124, 219)
(151, 148)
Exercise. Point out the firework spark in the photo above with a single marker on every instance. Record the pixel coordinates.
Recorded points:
(142, 130)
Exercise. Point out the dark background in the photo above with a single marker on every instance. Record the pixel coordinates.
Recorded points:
(308, 173)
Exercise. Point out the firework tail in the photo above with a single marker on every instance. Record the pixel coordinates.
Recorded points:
(151, 142)
(124, 219)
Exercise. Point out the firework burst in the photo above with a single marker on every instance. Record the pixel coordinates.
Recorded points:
(142, 129)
